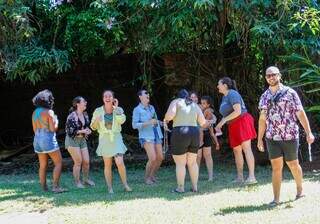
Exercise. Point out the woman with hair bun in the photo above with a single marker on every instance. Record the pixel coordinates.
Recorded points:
(185, 142)
(77, 131)
(240, 127)
(45, 125)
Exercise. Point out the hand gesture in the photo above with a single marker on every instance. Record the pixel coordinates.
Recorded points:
(220, 124)
(87, 131)
(115, 103)
(153, 121)
(165, 126)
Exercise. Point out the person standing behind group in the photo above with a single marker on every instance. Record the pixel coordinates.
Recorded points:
(240, 127)
(194, 98)
(145, 119)
(107, 120)
(45, 125)
(208, 136)
(185, 143)
(280, 110)
(77, 131)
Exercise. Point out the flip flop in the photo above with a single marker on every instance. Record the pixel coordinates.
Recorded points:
(177, 191)
(193, 191)
(237, 181)
(300, 196)
(273, 204)
(59, 190)
(250, 182)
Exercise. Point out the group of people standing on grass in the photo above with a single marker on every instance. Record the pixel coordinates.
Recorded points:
(194, 129)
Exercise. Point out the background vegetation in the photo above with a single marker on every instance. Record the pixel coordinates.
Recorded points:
(42, 37)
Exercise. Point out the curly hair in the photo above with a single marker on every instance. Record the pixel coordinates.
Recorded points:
(44, 99)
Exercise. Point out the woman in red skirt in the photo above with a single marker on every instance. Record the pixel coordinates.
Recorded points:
(240, 127)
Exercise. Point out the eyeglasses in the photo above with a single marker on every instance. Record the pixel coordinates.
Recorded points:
(268, 76)
(145, 93)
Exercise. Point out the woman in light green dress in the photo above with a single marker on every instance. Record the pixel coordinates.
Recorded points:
(107, 121)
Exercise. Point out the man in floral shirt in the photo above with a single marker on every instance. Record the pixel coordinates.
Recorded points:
(281, 109)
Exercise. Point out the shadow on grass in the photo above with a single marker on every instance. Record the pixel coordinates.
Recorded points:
(253, 208)
(26, 187)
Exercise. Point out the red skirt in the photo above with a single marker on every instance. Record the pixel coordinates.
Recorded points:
(241, 129)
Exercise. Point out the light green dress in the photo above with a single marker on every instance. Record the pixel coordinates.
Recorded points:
(110, 140)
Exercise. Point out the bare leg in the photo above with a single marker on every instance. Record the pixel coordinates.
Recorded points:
(122, 172)
(43, 165)
(150, 150)
(57, 161)
(193, 170)
(180, 161)
(199, 157)
(277, 166)
(159, 159)
(86, 167)
(237, 151)
(209, 162)
(246, 146)
(77, 161)
(297, 174)
(108, 172)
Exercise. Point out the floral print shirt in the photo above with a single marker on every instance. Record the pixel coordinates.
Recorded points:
(281, 108)
(73, 124)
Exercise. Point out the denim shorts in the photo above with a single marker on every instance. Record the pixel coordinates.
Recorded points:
(155, 140)
(45, 141)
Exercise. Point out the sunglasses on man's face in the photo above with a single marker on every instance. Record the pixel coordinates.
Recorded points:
(268, 76)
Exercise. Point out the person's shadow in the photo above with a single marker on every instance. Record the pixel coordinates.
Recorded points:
(253, 208)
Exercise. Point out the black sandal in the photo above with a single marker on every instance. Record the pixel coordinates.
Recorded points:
(273, 204)
(300, 196)
(193, 191)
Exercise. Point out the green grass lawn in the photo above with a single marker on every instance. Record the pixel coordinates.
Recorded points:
(217, 202)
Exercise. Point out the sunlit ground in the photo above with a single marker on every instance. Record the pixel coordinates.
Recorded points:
(21, 200)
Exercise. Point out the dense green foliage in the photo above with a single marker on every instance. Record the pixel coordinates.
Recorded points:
(38, 38)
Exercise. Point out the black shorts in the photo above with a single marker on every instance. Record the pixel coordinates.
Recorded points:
(207, 141)
(287, 149)
(185, 139)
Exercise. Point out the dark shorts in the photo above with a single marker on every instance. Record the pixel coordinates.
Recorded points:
(287, 149)
(185, 139)
(207, 141)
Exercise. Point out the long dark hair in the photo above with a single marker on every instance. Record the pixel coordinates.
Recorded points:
(75, 101)
(43, 99)
(184, 94)
(231, 83)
